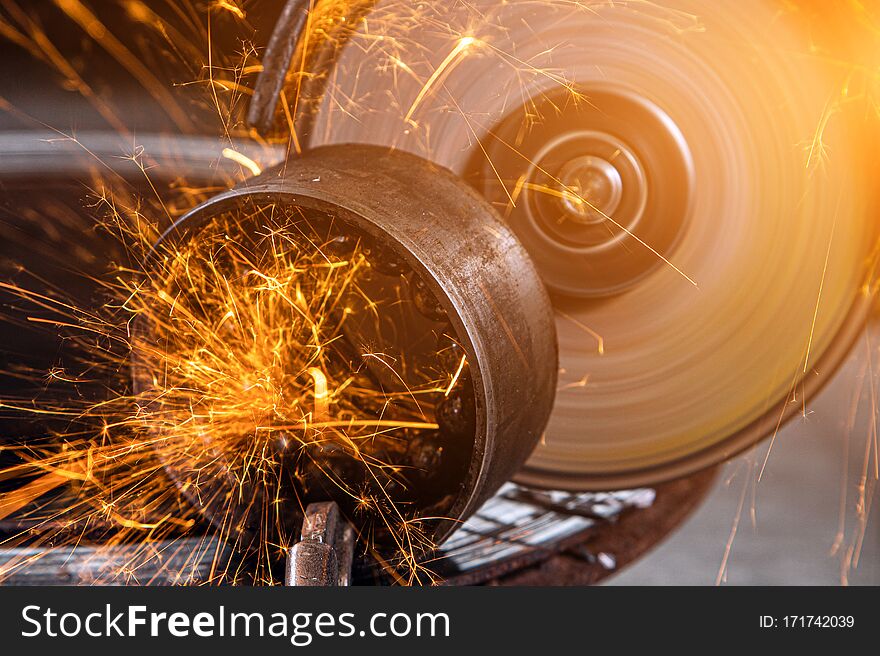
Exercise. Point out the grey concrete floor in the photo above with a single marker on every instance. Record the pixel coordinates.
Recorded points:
(791, 517)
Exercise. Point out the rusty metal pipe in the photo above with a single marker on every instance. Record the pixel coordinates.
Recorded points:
(472, 263)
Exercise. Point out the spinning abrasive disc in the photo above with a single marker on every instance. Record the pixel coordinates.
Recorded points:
(690, 179)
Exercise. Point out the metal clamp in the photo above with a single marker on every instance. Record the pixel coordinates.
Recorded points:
(324, 554)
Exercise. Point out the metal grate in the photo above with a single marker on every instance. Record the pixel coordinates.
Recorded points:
(516, 528)
(520, 526)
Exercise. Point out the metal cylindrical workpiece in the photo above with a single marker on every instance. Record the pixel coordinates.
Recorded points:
(464, 256)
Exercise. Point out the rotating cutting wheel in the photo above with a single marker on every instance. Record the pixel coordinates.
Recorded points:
(688, 181)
